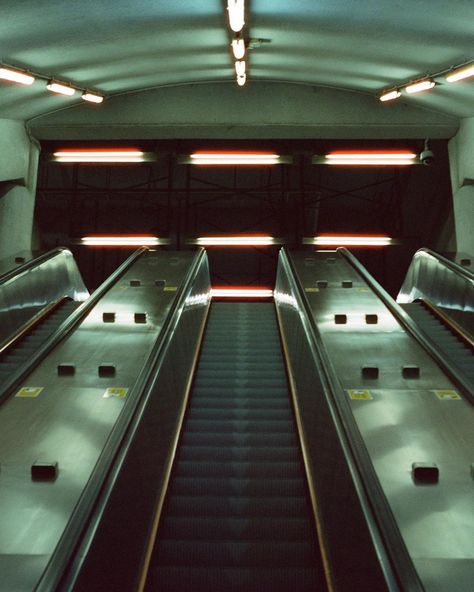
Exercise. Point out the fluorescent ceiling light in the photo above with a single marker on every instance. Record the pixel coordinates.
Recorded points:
(460, 73)
(236, 15)
(390, 95)
(120, 241)
(60, 89)
(241, 293)
(249, 241)
(18, 76)
(420, 86)
(91, 97)
(238, 48)
(368, 157)
(354, 241)
(235, 158)
(105, 156)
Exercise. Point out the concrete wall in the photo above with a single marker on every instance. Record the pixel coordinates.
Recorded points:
(461, 157)
(18, 171)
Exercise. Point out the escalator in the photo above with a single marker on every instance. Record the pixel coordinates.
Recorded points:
(22, 349)
(237, 514)
(456, 351)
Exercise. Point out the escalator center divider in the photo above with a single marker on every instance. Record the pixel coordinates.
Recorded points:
(237, 515)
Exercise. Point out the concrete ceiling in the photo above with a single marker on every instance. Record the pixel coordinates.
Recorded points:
(354, 47)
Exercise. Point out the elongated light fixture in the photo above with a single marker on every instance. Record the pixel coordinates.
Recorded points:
(420, 86)
(120, 241)
(60, 88)
(244, 241)
(235, 158)
(238, 48)
(101, 155)
(236, 11)
(241, 292)
(460, 73)
(349, 241)
(367, 158)
(390, 95)
(91, 97)
(14, 75)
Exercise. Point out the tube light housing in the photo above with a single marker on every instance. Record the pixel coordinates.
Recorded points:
(119, 155)
(238, 48)
(92, 97)
(60, 88)
(367, 158)
(390, 95)
(14, 75)
(349, 241)
(236, 9)
(236, 241)
(420, 86)
(234, 158)
(237, 292)
(121, 241)
(460, 73)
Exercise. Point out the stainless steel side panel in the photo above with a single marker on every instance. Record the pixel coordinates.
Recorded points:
(25, 294)
(402, 420)
(70, 420)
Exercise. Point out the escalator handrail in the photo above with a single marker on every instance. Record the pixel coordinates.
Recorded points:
(393, 555)
(67, 326)
(87, 513)
(451, 265)
(410, 325)
(31, 264)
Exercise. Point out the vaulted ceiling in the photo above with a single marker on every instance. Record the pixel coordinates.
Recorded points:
(140, 52)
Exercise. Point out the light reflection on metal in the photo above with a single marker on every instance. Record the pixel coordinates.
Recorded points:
(236, 9)
(197, 300)
(285, 298)
(61, 88)
(420, 86)
(241, 293)
(349, 241)
(14, 75)
(460, 73)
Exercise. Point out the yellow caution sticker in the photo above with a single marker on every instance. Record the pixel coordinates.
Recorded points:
(447, 395)
(118, 393)
(170, 288)
(360, 395)
(362, 290)
(311, 289)
(29, 391)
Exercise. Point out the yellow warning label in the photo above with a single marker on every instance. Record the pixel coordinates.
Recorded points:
(29, 391)
(359, 395)
(118, 393)
(362, 290)
(170, 289)
(311, 289)
(447, 395)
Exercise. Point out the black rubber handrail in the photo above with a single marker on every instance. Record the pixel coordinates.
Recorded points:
(452, 265)
(31, 264)
(66, 327)
(410, 325)
(87, 513)
(371, 495)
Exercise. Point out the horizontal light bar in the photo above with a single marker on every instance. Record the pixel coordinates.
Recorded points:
(103, 155)
(234, 158)
(121, 241)
(238, 48)
(460, 73)
(420, 86)
(61, 89)
(12, 75)
(374, 158)
(236, 11)
(241, 293)
(247, 241)
(349, 241)
(390, 95)
(91, 97)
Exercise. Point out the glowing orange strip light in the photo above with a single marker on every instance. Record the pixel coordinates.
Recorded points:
(120, 241)
(241, 293)
(244, 241)
(350, 241)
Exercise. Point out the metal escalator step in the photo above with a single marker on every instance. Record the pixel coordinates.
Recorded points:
(238, 439)
(231, 402)
(234, 486)
(242, 453)
(206, 413)
(240, 426)
(271, 468)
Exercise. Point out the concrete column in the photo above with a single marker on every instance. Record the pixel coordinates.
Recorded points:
(461, 159)
(18, 174)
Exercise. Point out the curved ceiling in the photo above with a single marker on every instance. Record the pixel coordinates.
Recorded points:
(122, 46)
